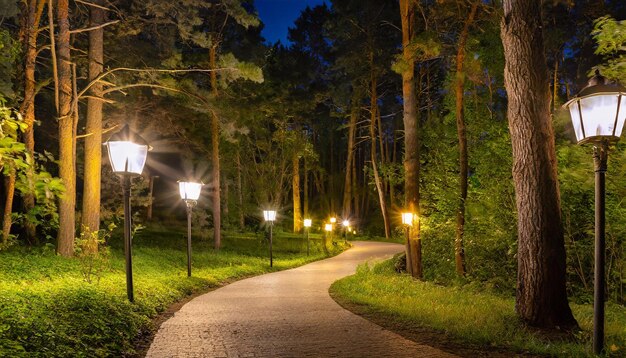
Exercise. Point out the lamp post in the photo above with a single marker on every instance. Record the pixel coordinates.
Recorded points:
(307, 226)
(189, 192)
(346, 227)
(127, 154)
(407, 221)
(598, 112)
(329, 230)
(270, 216)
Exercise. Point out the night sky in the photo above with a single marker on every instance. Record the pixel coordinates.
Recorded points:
(278, 15)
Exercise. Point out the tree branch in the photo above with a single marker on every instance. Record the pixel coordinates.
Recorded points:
(94, 27)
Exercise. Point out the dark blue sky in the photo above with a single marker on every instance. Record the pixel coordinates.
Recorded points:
(278, 15)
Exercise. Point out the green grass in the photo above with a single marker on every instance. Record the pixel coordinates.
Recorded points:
(47, 309)
(468, 315)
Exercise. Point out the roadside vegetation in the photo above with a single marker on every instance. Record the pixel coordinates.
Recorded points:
(48, 309)
(468, 315)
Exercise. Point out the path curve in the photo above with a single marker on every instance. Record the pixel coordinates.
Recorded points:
(284, 314)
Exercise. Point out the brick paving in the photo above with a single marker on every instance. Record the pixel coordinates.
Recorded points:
(284, 314)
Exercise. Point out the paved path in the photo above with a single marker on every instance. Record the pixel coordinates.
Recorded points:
(284, 314)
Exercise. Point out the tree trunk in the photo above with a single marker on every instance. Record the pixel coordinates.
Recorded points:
(150, 197)
(377, 179)
(93, 126)
(459, 87)
(297, 207)
(67, 171)
(305, 190)
(541, 298)
(34, 12)
(215, 155)
(240, 193)
(7, 220)
(411, 139)
(348, 185)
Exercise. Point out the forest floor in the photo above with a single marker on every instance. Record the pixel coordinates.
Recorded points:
(466, 320)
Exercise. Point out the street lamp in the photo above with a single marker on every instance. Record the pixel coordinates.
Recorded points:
(270, 216)
(127, 154)
(407, 221)
(329, 230)
(307, 226)
(598, 112)
(189, 192)
(346, 227)
(333, 220)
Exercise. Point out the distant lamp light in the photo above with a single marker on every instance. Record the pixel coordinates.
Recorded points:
(407, 219)
(269, 215)
(308, 222)
(346, 223)
(189, 190)
(333, 220)
(328, 227)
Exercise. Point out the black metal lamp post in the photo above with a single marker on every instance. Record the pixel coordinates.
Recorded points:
(127, 154)
(189, 192)
(598, 112)
(307, 227)
(270, 217)
(407, 221)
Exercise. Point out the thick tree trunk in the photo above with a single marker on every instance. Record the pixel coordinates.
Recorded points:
(411, 139)
(7, 220)
(295, 186)
(541, 298)
(215, 155)
(377, 180)
(93, 126)
(305, 190)
(348, 185)
(33, 15)
(67, 171)
(459, 87)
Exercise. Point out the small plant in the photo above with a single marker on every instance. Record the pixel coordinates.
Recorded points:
(93, 254)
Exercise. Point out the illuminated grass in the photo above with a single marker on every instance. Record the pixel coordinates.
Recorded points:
(467, 315)
(48, 310)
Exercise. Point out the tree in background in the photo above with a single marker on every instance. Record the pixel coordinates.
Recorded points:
(541, 298)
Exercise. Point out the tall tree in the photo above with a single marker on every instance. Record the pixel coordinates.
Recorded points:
(459, 88)
(67, 170)
(295, 187)
(411, 139)
(93, 140)
(541, 298)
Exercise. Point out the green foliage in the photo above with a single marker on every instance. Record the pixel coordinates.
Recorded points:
(47, 309)
(91, 251)
(9, 52)
(468, 314)
(610, 34)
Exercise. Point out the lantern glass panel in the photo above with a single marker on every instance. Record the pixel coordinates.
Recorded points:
(307, 222)
(189, 190)
(598, 116)
(407, 218)
(269, 215)
(127, 157)
(328, 227)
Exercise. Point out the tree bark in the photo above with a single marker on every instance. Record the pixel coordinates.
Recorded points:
(7, 220)
(93, 127)
(541, 298)
(34, 11)
(411, 139)
(240, 193)
(459, 87)
(305, 190)
(377, 179)
(67, 171)
(348, 185)
(215, 155)
(295, 185)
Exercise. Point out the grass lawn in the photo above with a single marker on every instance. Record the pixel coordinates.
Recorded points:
(466, 316)
(47, 309)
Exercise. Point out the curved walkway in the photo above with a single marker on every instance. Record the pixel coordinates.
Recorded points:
(284, 314)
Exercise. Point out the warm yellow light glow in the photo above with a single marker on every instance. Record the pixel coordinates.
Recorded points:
(407, 219)
(328, 227)
(308, 222)
(189, 190)
(346, 223)
(333, 220)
